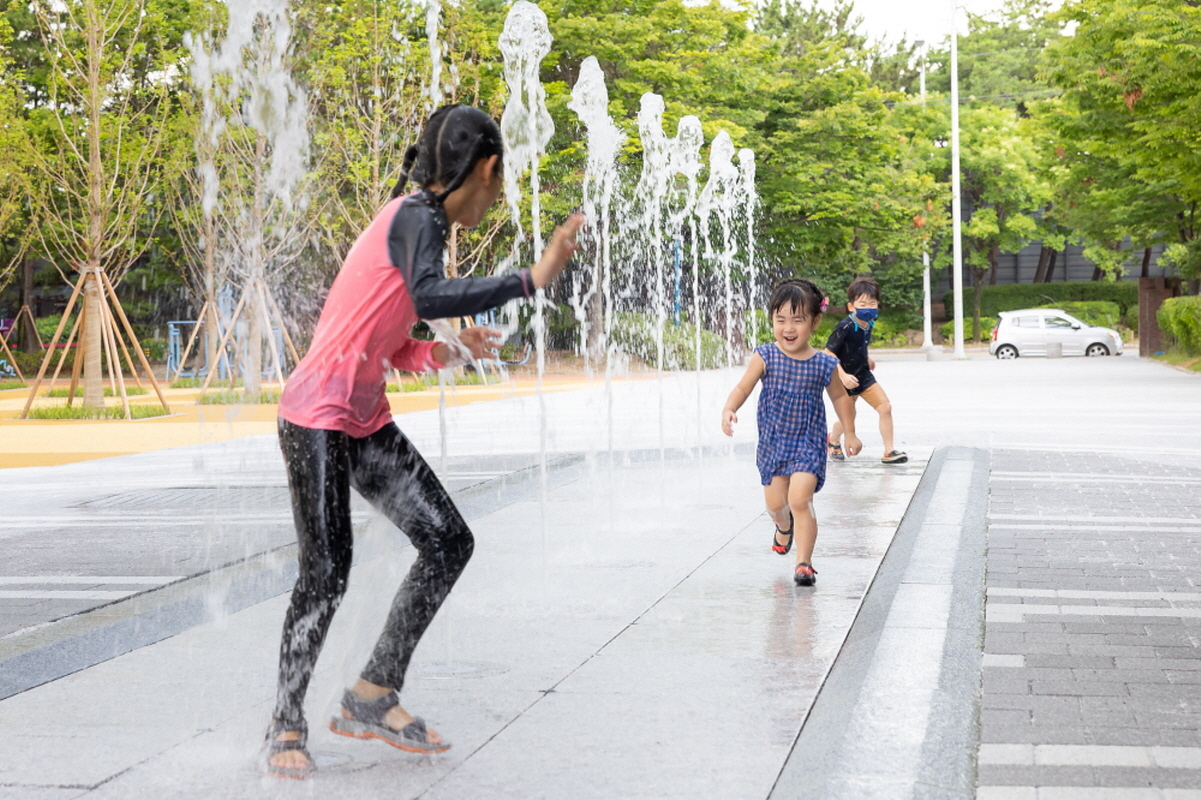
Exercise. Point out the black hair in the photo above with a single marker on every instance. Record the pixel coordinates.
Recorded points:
(796, 293)
(455, 138)
(863, 286)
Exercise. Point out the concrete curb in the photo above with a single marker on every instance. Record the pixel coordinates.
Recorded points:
(898, 713)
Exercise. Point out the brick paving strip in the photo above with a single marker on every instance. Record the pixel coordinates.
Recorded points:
(1092, 653)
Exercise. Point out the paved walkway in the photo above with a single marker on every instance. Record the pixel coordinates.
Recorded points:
(624, 631)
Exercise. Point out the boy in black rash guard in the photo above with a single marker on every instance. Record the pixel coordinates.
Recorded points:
(848, 343)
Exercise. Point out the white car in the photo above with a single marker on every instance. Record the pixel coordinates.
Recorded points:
(1028, 332)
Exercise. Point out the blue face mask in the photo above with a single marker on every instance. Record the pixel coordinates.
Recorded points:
(867, 314)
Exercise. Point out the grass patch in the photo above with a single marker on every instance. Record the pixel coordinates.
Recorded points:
(136, 410)
(1178, 358)
(12, 384)
(108, 391)
(466, 379)
(229, 397)
(196, 383)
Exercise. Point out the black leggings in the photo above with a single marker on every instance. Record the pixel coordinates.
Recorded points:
(389, 472)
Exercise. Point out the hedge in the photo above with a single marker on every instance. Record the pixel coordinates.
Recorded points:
(1180, 318)
(635, 334)
(1094, 312)
(986, 326)
(889, 330)
(1011, 297)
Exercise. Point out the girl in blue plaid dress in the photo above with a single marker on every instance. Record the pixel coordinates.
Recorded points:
(791, 454)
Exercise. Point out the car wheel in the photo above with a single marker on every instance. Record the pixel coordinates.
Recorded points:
(1007, 351)
(1097, 349)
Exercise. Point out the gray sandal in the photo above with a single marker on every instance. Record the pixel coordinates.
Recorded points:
(275, 745)
(366, 721)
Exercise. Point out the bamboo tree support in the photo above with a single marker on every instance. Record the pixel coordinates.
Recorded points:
(11, 358)
(27, 314)
(229, 331)
(112, 293)
(279, 316)
(76, 363)
(279, 366)
(108, 337)
(62, 323)
(205, 311)
(259, 295)
(33, 325)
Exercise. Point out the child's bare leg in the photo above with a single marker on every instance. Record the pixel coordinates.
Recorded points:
(775, 494)
(879, 401)
(800, 501)
(836, 431)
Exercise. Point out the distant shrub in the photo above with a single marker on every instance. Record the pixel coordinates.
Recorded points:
(986, 326)
(1011, 297)
(635, 334)
(1180, 318)
(1130, 318)
(1094, 312)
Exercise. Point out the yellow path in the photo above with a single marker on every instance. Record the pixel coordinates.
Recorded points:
(40, 443)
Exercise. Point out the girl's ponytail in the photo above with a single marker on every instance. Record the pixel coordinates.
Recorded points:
(410, 156)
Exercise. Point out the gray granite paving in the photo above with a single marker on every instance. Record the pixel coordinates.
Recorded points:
(623, 631)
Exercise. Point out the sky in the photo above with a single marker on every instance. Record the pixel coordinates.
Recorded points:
(920, 19)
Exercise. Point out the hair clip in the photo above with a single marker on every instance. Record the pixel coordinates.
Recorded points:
(825, 303)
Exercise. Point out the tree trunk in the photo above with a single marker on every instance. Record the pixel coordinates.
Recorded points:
(29, 339)
(252, 377)
(1097, 273)
(1044, 256)
(1051, 266)
(93, 377)
(1146, 273)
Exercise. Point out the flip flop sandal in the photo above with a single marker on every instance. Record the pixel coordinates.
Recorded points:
(776, 547)
(274, 745)
(366, 721)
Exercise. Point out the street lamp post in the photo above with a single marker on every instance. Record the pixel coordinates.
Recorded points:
(956, 212)
(927, 333)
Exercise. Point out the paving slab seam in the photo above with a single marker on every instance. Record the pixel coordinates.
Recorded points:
(46, 653)
(898, 712)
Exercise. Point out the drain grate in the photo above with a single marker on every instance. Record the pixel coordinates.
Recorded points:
(192, 498)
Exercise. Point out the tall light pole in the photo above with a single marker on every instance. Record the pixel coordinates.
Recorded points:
(927, 333)
(956, 213)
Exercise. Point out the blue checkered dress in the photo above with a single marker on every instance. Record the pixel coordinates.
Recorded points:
(792, 415)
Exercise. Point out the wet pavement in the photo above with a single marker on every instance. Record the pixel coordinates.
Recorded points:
(623, 629)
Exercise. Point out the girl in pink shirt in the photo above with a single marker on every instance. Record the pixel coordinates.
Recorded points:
(336, 429)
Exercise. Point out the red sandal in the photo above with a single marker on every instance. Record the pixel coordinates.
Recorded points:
(783, 549)
(805, 574)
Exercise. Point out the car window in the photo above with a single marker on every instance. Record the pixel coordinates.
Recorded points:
(1058, 322)
(1026, 322)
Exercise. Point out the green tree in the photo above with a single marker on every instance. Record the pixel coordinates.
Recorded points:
(1126, 126)
(1002, 190)
(13, 166)
(95, 144)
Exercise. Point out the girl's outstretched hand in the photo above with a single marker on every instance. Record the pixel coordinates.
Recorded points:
(728, 418)
(557, 253)
(481, 341)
